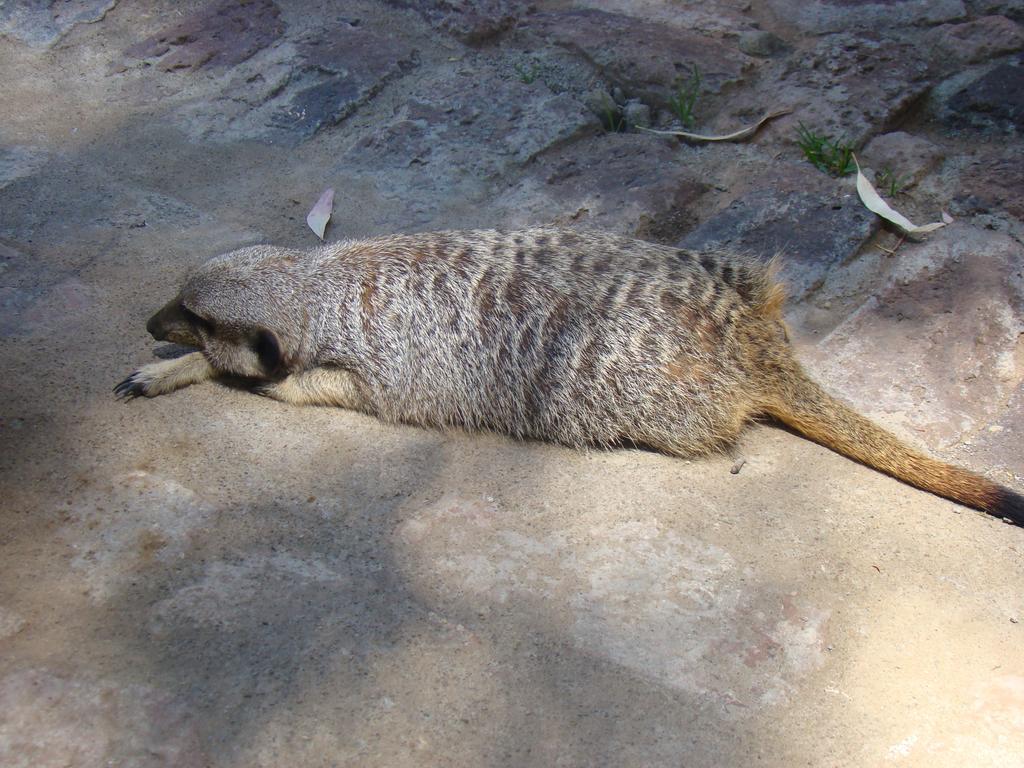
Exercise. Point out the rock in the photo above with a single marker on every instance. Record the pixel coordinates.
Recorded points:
(560, 70)
(51, 718)
(287, 96)
(824, 16)
(472, 21)
(25, 281)
(41, 24)
(646, 60)
(634, 184)
(677, 586)
(952, 310)
(219, 35)
(997, 444)
(459, 132)
(10, 623)
(445, 118)
(603, 105)
(909, 157)
(35, 205)
(976, 41)
(235, 594)
(163, 520)
(815, 222)
(637, 113)
(19, 161)
(993, 182)
(854, 85)
(223, 34)
(847, 86)
(992, 102)
(761, 43)
(357, 62)
(1012, 9)
(715, 18)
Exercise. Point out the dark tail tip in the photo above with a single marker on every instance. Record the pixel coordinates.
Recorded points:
(1007, 505)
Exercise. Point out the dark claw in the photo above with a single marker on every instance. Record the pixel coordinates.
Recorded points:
(129, 389)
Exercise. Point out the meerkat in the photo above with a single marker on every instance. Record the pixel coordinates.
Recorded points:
(580, 338)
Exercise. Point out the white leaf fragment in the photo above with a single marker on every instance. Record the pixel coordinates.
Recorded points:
(320, 213)
(874, 203)
(742, 133)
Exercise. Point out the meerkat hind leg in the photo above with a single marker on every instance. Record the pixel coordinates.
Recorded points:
(319, 386)
(166, 376)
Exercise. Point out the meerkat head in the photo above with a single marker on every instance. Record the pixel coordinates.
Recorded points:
(240, 310)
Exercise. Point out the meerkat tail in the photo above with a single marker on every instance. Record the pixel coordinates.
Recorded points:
(805, 407)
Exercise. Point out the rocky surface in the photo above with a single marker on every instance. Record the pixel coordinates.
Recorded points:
(645, 59)
(213, 579)
(994, 101)
(41, 23)
(976, 41)
(222, 34)
(915, 157)
(816, 222)
(821, 16)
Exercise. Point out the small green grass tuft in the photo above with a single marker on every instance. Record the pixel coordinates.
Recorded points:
(891, 182)
(683, 102)
(526, 74)
(612, 119)
(830, 155)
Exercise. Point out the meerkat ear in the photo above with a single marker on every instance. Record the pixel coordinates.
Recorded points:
(268, 349)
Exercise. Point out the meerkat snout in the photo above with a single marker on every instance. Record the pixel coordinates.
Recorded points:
(155, 328)
(176, 323)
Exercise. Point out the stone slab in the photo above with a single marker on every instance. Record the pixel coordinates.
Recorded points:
(993, 182)
(54, 718)
(909, 157)
(645, 59)
(219, 34)
(41, 23)
(853, 85)
(290, 93)
(634, 184)
(464, 130)
(937, 351)
(993, 102)
(825, 16)
(715, 18)
(472, 21)
(813, 221)
(976, 41)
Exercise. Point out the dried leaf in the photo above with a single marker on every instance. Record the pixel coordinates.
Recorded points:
(320, 213)
(874, 203)
(740, 135)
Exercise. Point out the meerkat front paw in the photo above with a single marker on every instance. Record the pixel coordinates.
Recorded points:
(166, 376)
(133, 386)
(318, 386)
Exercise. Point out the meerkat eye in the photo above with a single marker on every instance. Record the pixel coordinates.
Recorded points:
(195, 320)
(267, 346)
